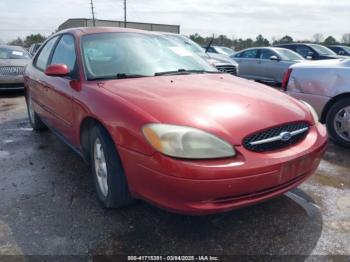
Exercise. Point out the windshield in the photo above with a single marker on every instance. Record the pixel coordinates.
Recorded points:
(346, 48)
(109, 55)
(322, 50)
(186, 42)
(13, 53)
(225, 50)
(289, 55)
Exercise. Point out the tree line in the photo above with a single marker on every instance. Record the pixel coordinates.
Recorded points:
(222, 40)
(28, 40)
(239, 43)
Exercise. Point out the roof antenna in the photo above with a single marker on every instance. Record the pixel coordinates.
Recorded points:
(93, 13)
(211, 41)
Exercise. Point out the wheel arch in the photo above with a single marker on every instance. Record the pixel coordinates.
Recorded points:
(330, 103)
(86, 126)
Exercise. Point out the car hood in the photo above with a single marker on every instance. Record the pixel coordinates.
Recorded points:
(14, 62)
(226, 106)
(223, 58)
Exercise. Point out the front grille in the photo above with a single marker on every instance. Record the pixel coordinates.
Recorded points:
(11, 70)
(230, 69)
(274, 138)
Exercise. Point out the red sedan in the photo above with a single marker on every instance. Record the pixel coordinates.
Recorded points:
(156, 122)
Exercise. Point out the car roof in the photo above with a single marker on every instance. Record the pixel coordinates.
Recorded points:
(94, 30)
(264, 47)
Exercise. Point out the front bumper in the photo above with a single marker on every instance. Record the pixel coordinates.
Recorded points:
(210, 186)
(11, 82)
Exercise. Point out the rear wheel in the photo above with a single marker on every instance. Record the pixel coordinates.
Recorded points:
(109, 178)
(34, 119)
(338, 122)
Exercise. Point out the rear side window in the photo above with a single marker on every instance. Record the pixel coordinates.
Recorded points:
(65, 52)
(266, 54)
(249, 54)
(44, 55)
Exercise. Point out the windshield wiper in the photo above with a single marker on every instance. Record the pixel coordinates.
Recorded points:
(185, 72)
(117, 76)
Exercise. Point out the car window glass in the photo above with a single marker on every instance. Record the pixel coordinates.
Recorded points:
(249, 53)
(43, 57)
(304, 50)
(65, 52)
(9, 52)
(266, 54)
(109, 54)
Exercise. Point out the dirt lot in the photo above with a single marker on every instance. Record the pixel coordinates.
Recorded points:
(48, 207)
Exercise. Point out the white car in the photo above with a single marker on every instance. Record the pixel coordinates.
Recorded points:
(324, 84)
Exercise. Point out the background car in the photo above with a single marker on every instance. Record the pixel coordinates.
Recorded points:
(219, 50)
(266, 64)
(340, 49)
(326, 86)
(157, 122)
(34, 47)
(311, 51)
(221, 62)
(12, 62)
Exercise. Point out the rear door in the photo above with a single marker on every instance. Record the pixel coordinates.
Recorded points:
(248, 62)
(59, 88)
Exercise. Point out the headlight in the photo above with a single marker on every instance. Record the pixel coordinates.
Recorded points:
(186, 142)
(312, 111)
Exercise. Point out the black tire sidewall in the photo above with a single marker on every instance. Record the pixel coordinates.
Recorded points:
(330, 121)
(118, 193)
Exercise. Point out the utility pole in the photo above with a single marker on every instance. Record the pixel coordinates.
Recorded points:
(93, 13)
(124, 13)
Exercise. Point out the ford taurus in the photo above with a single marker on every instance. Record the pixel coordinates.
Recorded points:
(157, 122)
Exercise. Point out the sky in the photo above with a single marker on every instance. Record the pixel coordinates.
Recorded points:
(300, 19)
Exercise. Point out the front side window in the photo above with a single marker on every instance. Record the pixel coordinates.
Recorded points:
(65, 52)
(287, 54)
(9, 52)
(108, 55)
(43, 57)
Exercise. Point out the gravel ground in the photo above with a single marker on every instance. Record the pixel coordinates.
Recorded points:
(48, 207)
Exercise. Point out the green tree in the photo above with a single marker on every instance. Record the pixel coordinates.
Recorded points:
(32, 39)
(261, 41)
(285, 40)
(19, 42)
(330, 40)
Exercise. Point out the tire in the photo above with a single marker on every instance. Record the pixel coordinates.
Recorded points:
(109, 178)
(33, 117)
(340, 135)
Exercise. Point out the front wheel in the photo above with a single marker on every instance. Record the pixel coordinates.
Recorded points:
(109, 178)
(33, 117)
(338, 122)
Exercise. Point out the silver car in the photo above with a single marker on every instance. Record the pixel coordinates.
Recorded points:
(12, 62)
(265, 64)
(324, 84)
(222, 62)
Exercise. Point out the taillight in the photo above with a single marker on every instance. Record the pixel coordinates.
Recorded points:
(286, 77)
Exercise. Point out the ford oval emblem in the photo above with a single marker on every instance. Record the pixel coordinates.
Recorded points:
(285, 136)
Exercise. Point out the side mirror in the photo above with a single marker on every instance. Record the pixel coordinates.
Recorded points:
(274, 58)
(309, 57)
(341, 52)
(57, 70)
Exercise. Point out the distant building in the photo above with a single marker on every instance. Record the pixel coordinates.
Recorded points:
(84, 22)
